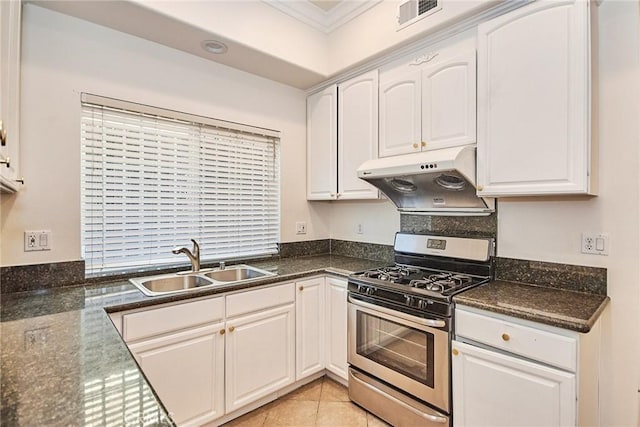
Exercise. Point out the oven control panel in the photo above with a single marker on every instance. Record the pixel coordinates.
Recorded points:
(399, 299)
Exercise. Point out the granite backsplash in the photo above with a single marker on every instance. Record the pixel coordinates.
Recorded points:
(563, 276)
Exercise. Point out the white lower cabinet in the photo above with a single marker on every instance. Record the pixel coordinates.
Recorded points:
(494, 389)
(212, 357)
(186, 370)
(180, 349)
(511, 372)
(260, 355)
(310, 326)
(336, 332)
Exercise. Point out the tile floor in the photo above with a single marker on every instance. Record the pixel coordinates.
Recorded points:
(322, 402)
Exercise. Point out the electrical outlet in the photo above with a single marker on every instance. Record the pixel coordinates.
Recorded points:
(37, 240)
(301, 227)
(360, 229)
(595, 243)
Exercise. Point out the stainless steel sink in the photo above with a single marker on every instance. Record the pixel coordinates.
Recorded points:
(159, 285)
(237, 273)
(181, 282)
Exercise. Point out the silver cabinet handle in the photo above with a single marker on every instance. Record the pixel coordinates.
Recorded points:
(6, 161)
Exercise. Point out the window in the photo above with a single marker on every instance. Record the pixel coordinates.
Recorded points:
(153, 179)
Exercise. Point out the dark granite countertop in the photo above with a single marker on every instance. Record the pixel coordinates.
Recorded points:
(64, 363)
(565, 309)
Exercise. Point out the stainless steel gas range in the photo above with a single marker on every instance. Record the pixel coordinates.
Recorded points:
(400, 322)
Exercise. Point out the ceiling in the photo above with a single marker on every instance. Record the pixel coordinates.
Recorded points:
(325, 5)
(323, 15)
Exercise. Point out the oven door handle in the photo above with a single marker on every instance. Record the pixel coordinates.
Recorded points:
(435, 323)
(431, 417)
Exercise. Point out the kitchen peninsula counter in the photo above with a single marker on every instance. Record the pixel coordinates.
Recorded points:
(64, 363)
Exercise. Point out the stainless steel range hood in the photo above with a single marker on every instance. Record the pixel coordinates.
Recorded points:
(436, 182)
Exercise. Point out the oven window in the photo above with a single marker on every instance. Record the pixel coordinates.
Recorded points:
(405, 350)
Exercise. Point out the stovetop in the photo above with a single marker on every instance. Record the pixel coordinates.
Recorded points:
(420, 280)
(428, 271)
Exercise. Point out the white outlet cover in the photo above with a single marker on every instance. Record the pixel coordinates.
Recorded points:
(594, 243)
(37, 240)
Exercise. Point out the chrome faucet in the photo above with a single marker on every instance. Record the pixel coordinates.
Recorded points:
(194, 256)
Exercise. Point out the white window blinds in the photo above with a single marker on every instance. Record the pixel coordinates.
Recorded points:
(154, 179)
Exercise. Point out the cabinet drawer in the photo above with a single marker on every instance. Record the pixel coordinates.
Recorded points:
(547, 347)
(168, 319)
(260, 299)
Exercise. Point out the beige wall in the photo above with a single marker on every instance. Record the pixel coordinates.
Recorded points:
(254, 24)
(63, 57)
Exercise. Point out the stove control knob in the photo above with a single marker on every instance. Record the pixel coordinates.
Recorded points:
(423, 304)
(409, 300)
(370, 291)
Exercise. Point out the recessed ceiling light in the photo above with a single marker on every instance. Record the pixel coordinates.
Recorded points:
(214, 46)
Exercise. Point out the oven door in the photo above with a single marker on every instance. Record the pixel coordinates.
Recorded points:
(408, 352)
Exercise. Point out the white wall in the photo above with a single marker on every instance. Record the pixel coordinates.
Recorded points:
(549, 230)
(379, 218)
(63, 57)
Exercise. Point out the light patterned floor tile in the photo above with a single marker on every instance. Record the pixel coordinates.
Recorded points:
(323, 402)
(373, 421)
(333, 391)
(292, 413)
(343, 414)
(252, 419)
(309, 391)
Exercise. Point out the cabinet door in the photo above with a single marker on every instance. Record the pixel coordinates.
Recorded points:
(400, 111)
(336, 336)
(10, 16)
(494, 389)
(449, 102)
(260, 355)
(357, 134)
(534, 100)
(321, 145)
(187, 371)
(310, 325)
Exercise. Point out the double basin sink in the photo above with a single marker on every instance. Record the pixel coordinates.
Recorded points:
(180, 282)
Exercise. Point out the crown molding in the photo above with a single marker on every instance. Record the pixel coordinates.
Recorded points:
(319, 19)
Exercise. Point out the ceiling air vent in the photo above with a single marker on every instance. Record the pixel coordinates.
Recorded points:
(411, 11)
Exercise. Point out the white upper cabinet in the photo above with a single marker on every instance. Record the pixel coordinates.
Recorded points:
(430, 106)
(449, 102)
(322, 179)
(342, 133)
(400, 109)
(10, 16)
(357, 134)
(534, 101)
